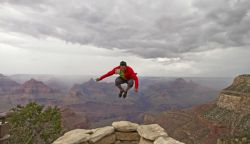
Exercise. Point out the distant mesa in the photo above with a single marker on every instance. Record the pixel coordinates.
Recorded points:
(180, 81)
(236, 97)
(90, 88)
(34, 87)
(7, 85)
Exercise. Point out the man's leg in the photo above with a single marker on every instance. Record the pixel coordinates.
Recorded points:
(130, 83)
(118, 82)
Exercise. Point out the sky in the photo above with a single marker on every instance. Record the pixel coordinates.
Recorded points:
(155, 37)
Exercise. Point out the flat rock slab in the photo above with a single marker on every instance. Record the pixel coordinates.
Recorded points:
(151, 132)
(125, 126)
(101, 133)
(77, 136)
(127, 142)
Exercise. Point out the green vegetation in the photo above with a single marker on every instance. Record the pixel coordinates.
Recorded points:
(33, 124)
(248, 134)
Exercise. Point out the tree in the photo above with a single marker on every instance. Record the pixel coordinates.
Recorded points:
(35, 124)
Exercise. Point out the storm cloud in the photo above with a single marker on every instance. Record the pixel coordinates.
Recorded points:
(164, 30)
(148, 28)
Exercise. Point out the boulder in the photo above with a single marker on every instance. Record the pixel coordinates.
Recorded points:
(101, 133)
(127, 136)
(125, 126)
(127, 142)
(107, 140)
(151, 132)
(77, 136)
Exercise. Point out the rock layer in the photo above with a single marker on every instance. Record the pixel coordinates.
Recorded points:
(236, 97)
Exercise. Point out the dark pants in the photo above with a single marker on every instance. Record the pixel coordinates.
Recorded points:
(119, 81)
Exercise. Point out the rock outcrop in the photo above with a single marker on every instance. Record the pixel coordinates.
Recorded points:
(223, 121)
(151, 132)
(122, 132)
(236, 97)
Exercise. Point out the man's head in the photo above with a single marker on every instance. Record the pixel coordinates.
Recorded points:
(123, 65)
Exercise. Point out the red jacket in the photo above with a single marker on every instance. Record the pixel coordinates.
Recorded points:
(129, 74)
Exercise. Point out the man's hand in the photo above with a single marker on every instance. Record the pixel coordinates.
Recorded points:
(136, 90)
(98, 79)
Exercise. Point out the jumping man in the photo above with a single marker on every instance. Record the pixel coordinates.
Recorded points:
(127, 75)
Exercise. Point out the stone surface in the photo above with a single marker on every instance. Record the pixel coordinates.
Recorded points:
(146, 134)
(4, 129)
(107, 140)
(125, 126)
(127, 136)
(4, 140)
(80, 131)
(151, 132)
(145, 141)
(166, 140)
(100, 133)
(127, 142)
(77, 136)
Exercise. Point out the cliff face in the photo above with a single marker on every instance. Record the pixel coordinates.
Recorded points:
(213, 122)
(236, 97)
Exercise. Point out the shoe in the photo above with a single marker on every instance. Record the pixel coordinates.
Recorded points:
(125, 94)
(120, 94)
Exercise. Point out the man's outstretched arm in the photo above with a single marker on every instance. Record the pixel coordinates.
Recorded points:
(106, 75)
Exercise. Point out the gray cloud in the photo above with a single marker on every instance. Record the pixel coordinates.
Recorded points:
(147, 28)
(233, 18)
